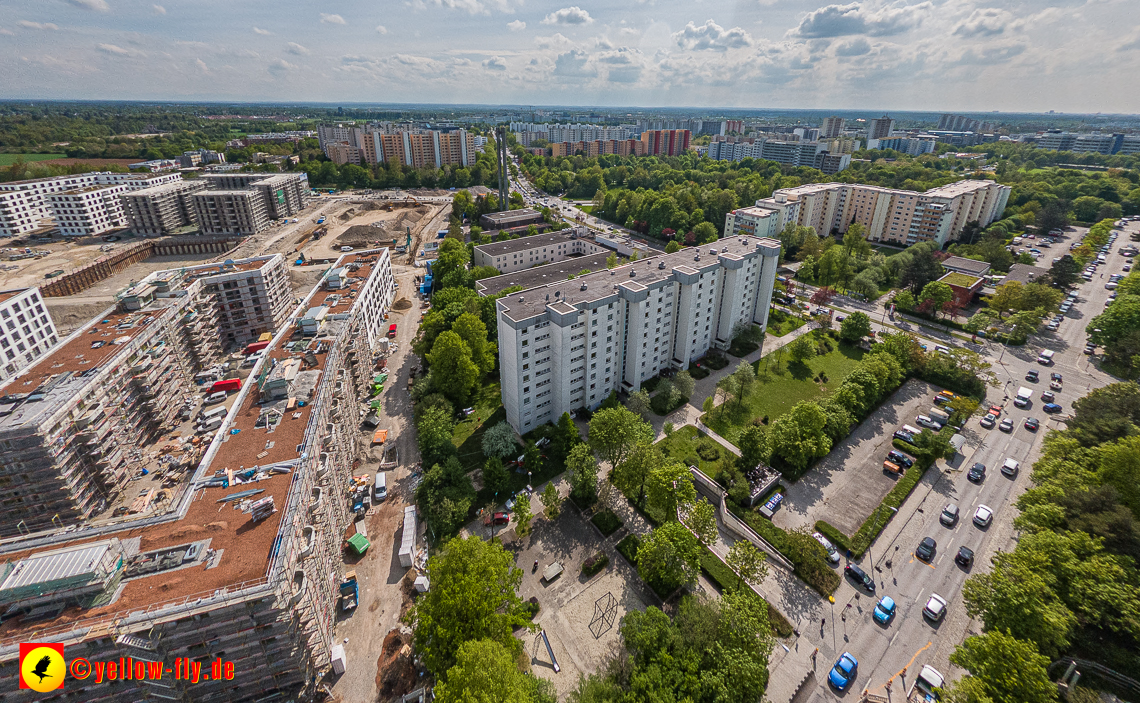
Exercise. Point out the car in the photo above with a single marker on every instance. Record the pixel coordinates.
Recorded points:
(346, 248)
(988, 421)
(941, 349)
(884, 610)
(832, 552)
(1055, 385)
(1090, 349)
(928, 422)
(983, 516)
(1051, 408)
(904, 436)
(1006, 425)
(860, 577)
(1127, 267)
(898, 457)
(839, 318)
(844, 671)
(926, 549)
(1056, 377)
(1047, 396)
(1032, 375)
(497, 519)
(949, 515)
(964, 557)
(977, 472)
(1032, 424)
(1052, 326)
(935, 607)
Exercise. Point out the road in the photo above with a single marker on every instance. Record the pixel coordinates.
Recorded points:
(910, 640)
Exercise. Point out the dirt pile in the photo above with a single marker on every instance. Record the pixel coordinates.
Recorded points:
(401, 305)
(363, 235)
(395, 672)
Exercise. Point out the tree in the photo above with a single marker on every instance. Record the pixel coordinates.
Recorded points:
(633, 471)
(1053, 216)
(532, 458)
(611, 260)
(798, 436)
(668, 486)
(1006, 298)
(582, 473)
(1037, 295)
(455, 374)
(1107, 414)
(495, 475)
(614, 432)
(523, 514)
(744, 376)
(1023, 324)
(499, 441)
(551, 501)
(566, 436)
(1010, 670)
(866, 283)
(920, 270)
(1114, 326)
(449, 269)
(1065, 272)
(904, 300)
(474, 333)
(672, 247)
(749, 563)
(701, 519)
(823, 296)
(802, 349)
(473, 596)
(445, 495)
(855, 326)
(755, 447)
(669, 556)
(706, 233)
(484, 672)
(935, 294)
(433, 435)
(638, 403)
(684, 384)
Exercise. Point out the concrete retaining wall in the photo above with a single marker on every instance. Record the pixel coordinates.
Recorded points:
(712, 490)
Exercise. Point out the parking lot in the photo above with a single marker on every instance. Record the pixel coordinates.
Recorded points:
(847, 484)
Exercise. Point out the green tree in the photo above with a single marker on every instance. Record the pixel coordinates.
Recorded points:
(473, 596)
(484, 672)
(499, 440)
(1023, 324)
(755, 447)
(705, 233)
(749, 563)
(669, 556)
(701, 519)
(684, 384)
(523, 515)
(1065, 272)
(668, 486)
(566, 436)
(433, 435)
(798, 436)
(473, 332)
(633, 471)
(801, 349)
(551, 501)
(855, 326)
(449, 268)
(611, 260)
(1007, 298)
(1107, 414)
(582, 473)
(1037, 295)
(744, 376)
(920, 270)
(1010, 670)
(452, 369)
(672, 247)
(638, 403)
(532, 458)
(614, 432)
(495, 475)
(1115, 325)
(935, 294)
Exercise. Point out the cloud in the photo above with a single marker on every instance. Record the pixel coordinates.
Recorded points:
(381, 29)
(629, 31)
(984, 23)
(332, 19)
(474, 7)
(572, 64)
(711, 35)
(569, 15)
(281, 66)
(855, 47)
(116, 50)
(844, 20)
(554, 40)
(158, 9)
(262, 32)
(7, 32)
(296, 49)
(202, 65)
(1129, 46)
(37, 25)
(495, 63)
(96, 5)
(516, 26)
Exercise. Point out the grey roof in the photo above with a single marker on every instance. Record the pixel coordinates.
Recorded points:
(642, 274)
(964, 265)
(512, 215)
(542, 275)
(56, 566)
(1023, 273)
(524, 243)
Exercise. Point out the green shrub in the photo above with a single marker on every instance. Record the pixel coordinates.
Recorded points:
(815, 572)
(606, 522)
(716, 362)
(628, 548)
(595, 564)
(530, 608)
(708, 449)
(832, 533)
(719, 573)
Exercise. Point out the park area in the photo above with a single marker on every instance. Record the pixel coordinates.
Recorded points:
(781, 323)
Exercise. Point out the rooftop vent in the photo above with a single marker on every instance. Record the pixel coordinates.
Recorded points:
(697, 257)
(557, 293)
(661, 265)
(583, 286)
(520, 300)
(632, 273)
(712, 251)
(548, 296)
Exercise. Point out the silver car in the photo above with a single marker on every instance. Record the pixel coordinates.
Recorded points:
(935, 607)
(949, 515)
(832, 552)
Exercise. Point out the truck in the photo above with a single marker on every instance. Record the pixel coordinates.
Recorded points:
(923, 688)
(939, 415)
(349, 592)
(1023, 397)
(338, 659)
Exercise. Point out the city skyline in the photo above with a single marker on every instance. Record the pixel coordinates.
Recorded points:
(968, 57)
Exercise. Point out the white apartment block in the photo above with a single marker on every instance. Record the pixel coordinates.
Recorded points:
(525, 252)
(900, 217)
(88, 211)
(20, 212)
(25, 204)
(567, 345)
(767, 218)
(793, 153)
(26, 330)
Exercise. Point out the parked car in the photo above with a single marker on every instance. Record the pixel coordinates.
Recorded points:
(1032, 424)
(1031, 375)
(927, 422)
(983, 516)
(964, 557)
(1010, 467)
(1051, 408)
(988, 421)
(860, 577)
(898, 457)
(844, 672)
(832, 552)
(1006, 425)
(884, 610)
(935, 607)
(926, 549)
(949, 515)
(977, 472)
(1047, 396)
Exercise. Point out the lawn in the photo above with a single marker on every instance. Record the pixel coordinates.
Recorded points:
(9, 159)
(692, 447)
(780, 385)
(468, 433)
(781, 323)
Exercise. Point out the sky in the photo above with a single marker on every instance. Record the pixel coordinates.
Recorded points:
(940, 55)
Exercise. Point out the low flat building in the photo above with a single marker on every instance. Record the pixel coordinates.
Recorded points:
(509, 219)
(565, 270)
(964, 286)
(526, 252)
(1023, 273)
(971, 267)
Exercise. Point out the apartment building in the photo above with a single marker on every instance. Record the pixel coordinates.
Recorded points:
(914, 146)
(250, 298)
(900, 217)
(767, 218)
(962, 123)
(339, 133)
(26, 330)
(161, 209)
(732, 127)
(20, 212)
(623, 147)
(241, 212)
(567, 344)
(341, 153)
(421, 149)
(665, 142)
(832, 128)
(527, 252)
(252, 582)
(24, 205)
(88, 211)
(527, 131)
(880, 127)
(792, 153)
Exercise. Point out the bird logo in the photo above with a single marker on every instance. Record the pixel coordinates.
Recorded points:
(42, 666)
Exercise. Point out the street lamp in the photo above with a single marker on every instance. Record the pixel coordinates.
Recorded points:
(875, 529)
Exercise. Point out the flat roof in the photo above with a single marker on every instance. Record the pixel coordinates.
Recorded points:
(966, 265)
(541, 275)
(6, 295)
(512, 215)
(511, 246)
(45, 567)
(1023, 273)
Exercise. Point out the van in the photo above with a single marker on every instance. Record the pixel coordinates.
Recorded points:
(939, 415)
(892, 468)
(216, 397)
(913, 430)
(206, 415)
(209, 425)
(380, 486)
(1045, 358)
(1111, 285)
(252, 359)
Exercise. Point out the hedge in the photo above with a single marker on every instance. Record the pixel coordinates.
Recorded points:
(606, 522)
(628, 548)
(595, 564)
(819, 576)
(724, 577)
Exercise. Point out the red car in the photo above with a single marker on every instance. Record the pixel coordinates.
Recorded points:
(392, 330)
(497, 519)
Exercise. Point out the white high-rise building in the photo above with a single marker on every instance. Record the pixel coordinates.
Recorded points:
(26, 330)
(568, 345)
(832, 127)
(25, 204)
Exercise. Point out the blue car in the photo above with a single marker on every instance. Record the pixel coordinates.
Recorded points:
(884, 610)
(1051, 408)
(844, 671)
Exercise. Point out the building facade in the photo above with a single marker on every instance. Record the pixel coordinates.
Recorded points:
(26, 330)
(791, 153)
(914, 146)
(88, 211)
(162, 209)
(241, 212)
(24, 205)
(880, 127)
(526, 252)
(567, 345)
(832, 127)
(665, 142)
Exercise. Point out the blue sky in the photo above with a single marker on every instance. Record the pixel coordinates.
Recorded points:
(1065, 55)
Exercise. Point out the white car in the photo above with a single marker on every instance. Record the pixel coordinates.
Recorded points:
(832, 552)
(935, 607)
(983, 516)
(1010, 467)
(928, 422)
(346, 248)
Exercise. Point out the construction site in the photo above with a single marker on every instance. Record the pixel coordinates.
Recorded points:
(241, 561)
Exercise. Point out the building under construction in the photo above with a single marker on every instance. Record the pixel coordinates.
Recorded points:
(245, 566)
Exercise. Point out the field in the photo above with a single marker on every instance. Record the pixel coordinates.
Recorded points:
(9, 159)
